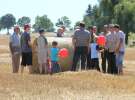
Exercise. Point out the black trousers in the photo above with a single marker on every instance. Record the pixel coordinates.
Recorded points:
(104, 56)
(95, 64)
(89, 60)
(112, 69)
(80, 52)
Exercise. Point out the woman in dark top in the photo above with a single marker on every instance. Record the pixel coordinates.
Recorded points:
(26, 49)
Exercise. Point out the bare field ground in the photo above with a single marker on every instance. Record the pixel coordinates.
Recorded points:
(86, 85)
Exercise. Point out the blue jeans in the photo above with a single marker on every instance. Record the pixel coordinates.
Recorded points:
(55, 67)
(119, 60)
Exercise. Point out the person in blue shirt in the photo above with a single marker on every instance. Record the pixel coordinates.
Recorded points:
(54, 57)
(14, 45)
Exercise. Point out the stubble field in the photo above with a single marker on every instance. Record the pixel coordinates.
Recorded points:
(82, 85)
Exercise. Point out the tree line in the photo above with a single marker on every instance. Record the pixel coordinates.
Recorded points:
(121, 12)
(8, 21)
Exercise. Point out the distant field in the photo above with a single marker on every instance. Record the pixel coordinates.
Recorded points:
(86, 85)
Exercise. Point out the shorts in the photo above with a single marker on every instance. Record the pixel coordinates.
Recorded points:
(119, 59)
(26, 59)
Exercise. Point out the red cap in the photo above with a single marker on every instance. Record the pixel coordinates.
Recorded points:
(26, 26)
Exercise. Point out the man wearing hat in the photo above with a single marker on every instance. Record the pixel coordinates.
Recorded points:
(26, 49)
(15, 49)
(42, 48)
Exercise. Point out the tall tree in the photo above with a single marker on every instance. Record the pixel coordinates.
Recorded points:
(77, 23)
(0, 25)
(7, 21)
(91, 16)
(89, 11)
(43, 22)
(23, 20)
(112, 11)
(63, 21)
(125, 16)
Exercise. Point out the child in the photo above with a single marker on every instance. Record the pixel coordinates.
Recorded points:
(54, 57)
(94, 56)
(42, 49)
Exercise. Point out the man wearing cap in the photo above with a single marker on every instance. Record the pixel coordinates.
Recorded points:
(111, 44)
(81, 39)
(26, 49)
(42, 48)
(15, 49)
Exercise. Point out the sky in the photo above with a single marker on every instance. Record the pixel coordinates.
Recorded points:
(74, 9)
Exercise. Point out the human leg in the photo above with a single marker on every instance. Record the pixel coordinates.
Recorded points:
(76, 58)
(103, 56)
(23, 62)
(109, 70)
(113, 64)
(84, 53)
(13, 63)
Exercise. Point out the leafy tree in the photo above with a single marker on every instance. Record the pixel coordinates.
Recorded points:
(7, 21)
(88, 21)
(23, 20)
(77, 23)
(43, 22)
(106, 7)
(63, 21)
(121, 12)
(92, 15)
(89, 11)
(0, 26)
(125, 16)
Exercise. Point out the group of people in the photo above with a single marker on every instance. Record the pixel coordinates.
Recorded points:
(88, 50)
(21, 46)
(60, 31)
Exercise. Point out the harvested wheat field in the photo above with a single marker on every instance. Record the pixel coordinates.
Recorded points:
(86, 85)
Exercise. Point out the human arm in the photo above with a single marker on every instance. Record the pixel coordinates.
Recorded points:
(95, 36)
(10, 45)
(11, 48)
(120, 40)
(28, 38)
(74, 40)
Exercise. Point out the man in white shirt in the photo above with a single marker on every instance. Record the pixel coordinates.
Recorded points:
(120, 51)
(111, 44)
